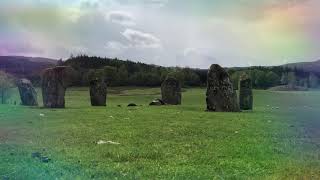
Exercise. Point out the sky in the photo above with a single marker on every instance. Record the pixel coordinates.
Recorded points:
(193, 33)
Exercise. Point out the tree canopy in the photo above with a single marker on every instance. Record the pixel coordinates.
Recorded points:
(128, 73)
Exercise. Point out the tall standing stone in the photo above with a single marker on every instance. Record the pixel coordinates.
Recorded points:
(221, 96)
(98, 92)
(28, 94)
(54, 84)
(245, 92)
(171, 91)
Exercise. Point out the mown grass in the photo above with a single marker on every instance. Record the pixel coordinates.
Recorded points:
(169, 142)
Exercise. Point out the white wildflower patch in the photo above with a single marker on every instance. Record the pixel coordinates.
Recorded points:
(100, 142)
(111, 142)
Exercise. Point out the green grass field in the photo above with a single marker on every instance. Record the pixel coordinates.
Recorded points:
(280, 139)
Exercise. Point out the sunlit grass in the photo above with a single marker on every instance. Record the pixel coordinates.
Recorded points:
(168, 142)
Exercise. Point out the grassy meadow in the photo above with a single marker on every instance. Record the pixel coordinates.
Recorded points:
(280, 139)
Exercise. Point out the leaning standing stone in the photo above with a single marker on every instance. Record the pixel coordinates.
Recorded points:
(171, 91)
(28, 95)
(245, 93)
(221, 96)
(54, 84)
(98, 93)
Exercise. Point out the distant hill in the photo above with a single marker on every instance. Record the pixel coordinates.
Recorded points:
(306, 66)
(21, 66)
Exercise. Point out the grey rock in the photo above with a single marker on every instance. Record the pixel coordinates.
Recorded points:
(245, 93)
(54, 84)
(171, 91)
(36, 155)
(157, 102)
(98, 93)
(132, 105)
(220, 95)
(28, 95)
(45, 159)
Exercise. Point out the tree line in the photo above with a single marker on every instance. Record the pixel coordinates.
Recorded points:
(128, 73)
(267, 77)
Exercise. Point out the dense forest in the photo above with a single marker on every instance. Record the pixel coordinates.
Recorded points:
(128, 73)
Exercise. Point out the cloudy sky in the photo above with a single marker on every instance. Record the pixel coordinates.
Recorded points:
(194, 33)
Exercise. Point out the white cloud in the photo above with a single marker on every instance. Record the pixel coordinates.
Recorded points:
(141, 40)
(121, 17)
(73, 14)
(89, 4)
(115, 48)
(201, 56)
(79, 50)
(234, 33)
(115, 45)
(157, 3)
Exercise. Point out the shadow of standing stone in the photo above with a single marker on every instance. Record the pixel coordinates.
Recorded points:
(245, 92)
(98, 93)
(54, 84)
(221, 96)
(28, 95)
(171, 91)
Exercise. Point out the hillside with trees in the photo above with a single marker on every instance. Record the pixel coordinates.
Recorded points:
(313, 67)
(25, 67)
(118, 72)
(128, 73)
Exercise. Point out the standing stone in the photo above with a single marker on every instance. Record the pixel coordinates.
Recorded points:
(221, 96)
(54, 84)
(313, 80)
(292, 80)
(245, 92)
(98, 93)
(171, 91)
(28, 95)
